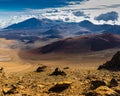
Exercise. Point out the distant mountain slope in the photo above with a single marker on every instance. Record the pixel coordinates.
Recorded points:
(64, 27)
(31, 23)
(81, 44)
(100, 28)
(51, 32)
(45, 28)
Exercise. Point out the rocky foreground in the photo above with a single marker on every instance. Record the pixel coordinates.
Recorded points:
(61, 81)
(51, 81)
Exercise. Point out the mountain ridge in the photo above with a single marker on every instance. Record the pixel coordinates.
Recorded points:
(34, 23)
(29, 24)
(42, 29)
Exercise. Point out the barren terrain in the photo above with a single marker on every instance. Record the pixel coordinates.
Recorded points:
(20, 79)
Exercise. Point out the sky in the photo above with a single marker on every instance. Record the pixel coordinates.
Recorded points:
(15, 5)
(99, 12)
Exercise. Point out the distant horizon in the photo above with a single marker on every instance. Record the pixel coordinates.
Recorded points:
(61, 22)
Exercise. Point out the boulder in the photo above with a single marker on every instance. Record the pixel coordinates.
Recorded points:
(57, 72)
(113, 83)
(113, 64)
(41, 68)
(97, 83)
(60, 86)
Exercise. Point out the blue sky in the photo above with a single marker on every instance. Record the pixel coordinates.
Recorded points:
(20, 5)
(104, 11)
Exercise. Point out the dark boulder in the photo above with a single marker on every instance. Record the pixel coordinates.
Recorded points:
(113, 83)
(60, 86)
(57, 72)
(97, 83)
(41, 68)
(113, 64)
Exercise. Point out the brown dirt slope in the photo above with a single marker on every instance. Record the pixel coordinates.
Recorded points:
(81, 44)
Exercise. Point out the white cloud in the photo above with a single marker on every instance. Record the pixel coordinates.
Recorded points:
(91, 8)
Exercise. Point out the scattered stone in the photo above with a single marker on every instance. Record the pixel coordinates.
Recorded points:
(90, 77)
(113, 83)
(1, 69)
(41, 68)
(117, 89)
(66, 68)
(57, 72)
(113, 64)
(60, 86)
(21, 87)
(97, 83)
(102, 91)
(24, 95)
(91, 93)
(9, 90)
(105, 91)
(41, 86)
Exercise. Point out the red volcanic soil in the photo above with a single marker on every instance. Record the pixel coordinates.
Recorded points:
(81, 44)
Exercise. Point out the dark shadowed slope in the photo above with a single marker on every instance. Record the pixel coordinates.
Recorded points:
(31, 23)
(100, 28)
(81, 44)
(113, 64)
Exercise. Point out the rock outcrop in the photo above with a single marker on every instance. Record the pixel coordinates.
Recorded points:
(113, 64)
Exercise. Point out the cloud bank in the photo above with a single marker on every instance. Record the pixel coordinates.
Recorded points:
(105, 11)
